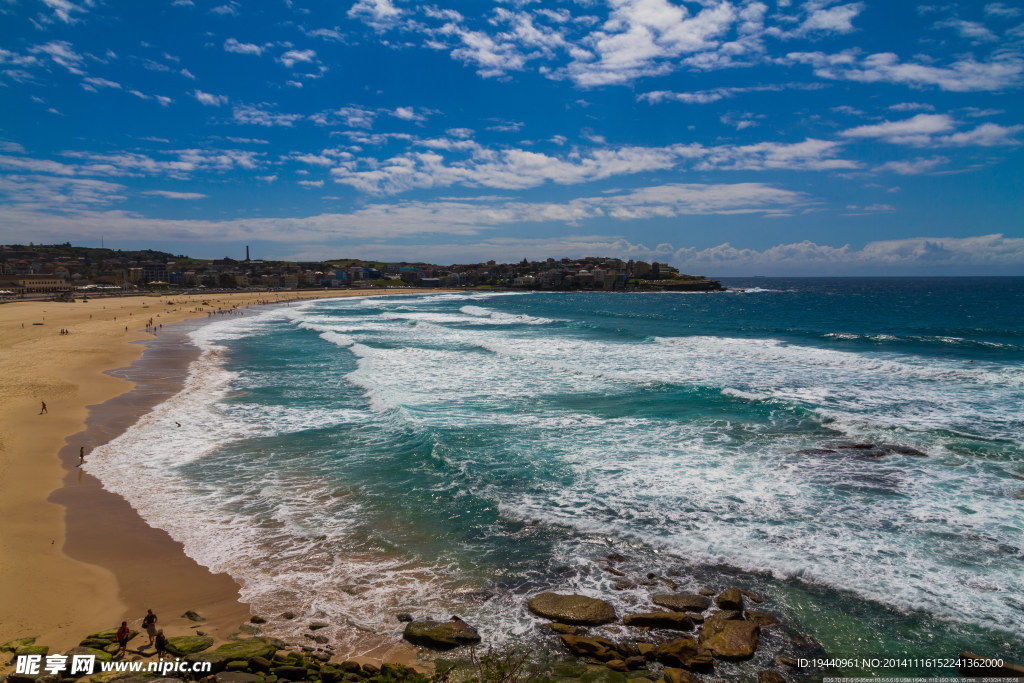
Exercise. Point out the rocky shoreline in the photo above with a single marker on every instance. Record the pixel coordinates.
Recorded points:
(684, 637)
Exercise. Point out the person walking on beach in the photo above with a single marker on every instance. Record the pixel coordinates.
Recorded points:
(43, 409)
(122, 638)
(161, 645)
(81, 456)
(150, 624)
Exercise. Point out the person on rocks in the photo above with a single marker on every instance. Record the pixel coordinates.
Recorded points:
(122, 638)
(161, 645)
(149, 623)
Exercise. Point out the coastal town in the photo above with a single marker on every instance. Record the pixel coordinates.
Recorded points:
(62, 270)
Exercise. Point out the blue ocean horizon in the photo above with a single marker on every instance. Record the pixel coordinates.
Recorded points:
(458, 452)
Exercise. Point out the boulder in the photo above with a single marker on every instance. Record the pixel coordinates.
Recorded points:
(673, 675)
(371, 669)
(729, 614)
(256, 619)
(317, 625)
(671, 620)
(596, 648)
(635, 662)
(762, 619)
(730, 599)
(682, 602)
(288, 615)
(617, 665)
(192, 616)
(441, 635)
(290, 673)
(32, 650)
(729, 639)
(572, 609)
(563, 628)
(237, 665)
(646, 649)
(179, 646)
(683, 652)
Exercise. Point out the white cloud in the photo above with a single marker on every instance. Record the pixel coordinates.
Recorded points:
(918, 130)
(969, 30)
(379, 14)
(62, 9)
(998, 9)
(166, 194)
(232, 45)
(914, 167)
(293, 57)
(256, 116)
(986, 135)
(407, 114)
(208, 99)
(809, 155)
(967, 75)
(92, 84)
(911, 106)
(311, 183)
(61, 52)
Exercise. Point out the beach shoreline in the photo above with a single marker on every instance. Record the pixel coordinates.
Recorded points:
(74, 557)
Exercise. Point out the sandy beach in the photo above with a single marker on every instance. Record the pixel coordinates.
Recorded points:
(74, 558)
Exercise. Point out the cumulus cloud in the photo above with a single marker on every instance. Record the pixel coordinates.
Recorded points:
(232, 45)
(966, 75)
(209, 100)
(293, 57)
(918, 130)
(377, 13)
(986, 135)
(914, 166)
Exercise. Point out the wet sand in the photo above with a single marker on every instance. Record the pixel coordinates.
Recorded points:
(74, 558)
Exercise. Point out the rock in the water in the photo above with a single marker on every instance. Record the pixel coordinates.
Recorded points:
(788, 661)
(186, 645)
(288, 615)
(572, 609)
(597, 648)
(729, 639)
(727, 614)
(617, 665)
(684, 652)
(441, 635)
(729, 599)
(753, 597)
(317, 625)
(290, 673)
(814, 451)
(256, 619)
(672, 620)
(762, 619)
(192, 616)
(646, 649)
(770, 677)
(682, 602)
(673, 675)
(563, 628)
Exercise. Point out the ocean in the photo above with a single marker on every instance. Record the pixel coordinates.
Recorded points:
(456, 453)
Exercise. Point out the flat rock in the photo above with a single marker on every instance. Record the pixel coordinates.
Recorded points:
(180, 646)
(682, 602)
(572, 609)
(596, 648)
(563, 628)
(730, 599)
(729, 639)
(671, 620)
(684, 652)
(229, 652)
(100, 655)
(441, 635)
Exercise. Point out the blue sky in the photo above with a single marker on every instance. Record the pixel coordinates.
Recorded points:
(725, 137)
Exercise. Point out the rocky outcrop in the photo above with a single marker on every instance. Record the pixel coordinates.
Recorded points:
(229, 652)
(671, 620)
(572, 609)
(187, 645)
(684, 652)
(682, 602)
(729, 638)
(441, 635)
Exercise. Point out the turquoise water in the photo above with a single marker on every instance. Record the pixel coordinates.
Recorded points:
(455, 453)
